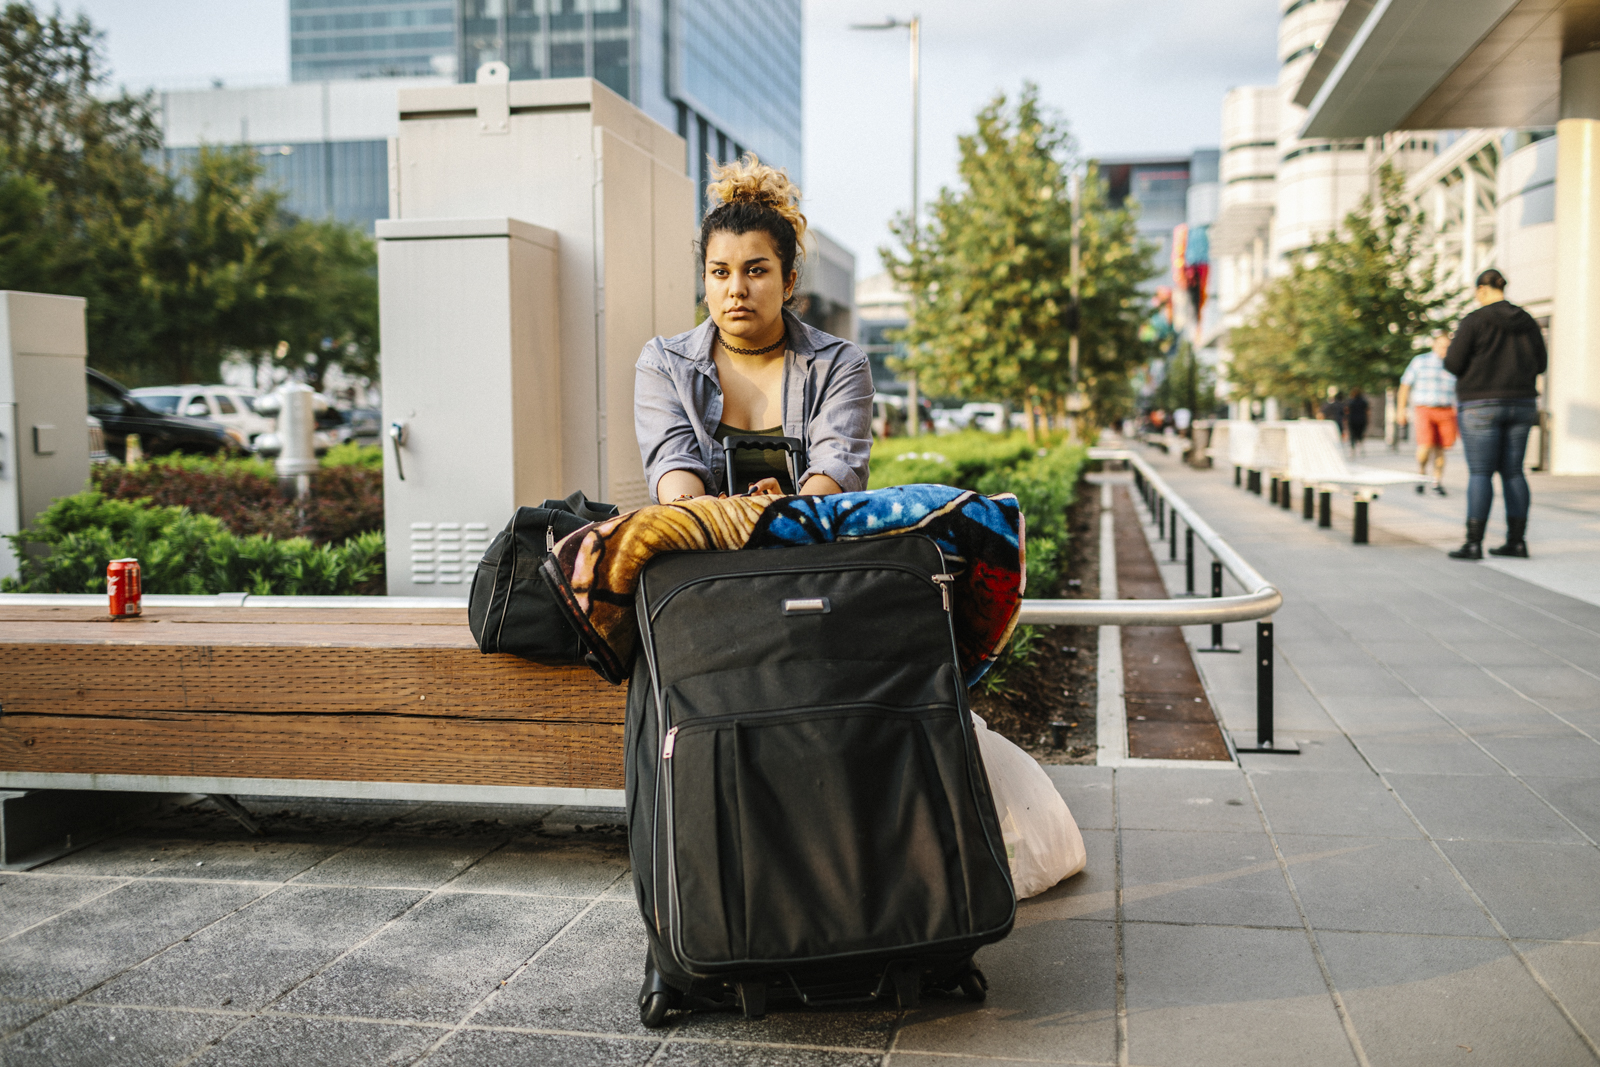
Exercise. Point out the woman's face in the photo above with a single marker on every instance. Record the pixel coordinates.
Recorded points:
(745, 287)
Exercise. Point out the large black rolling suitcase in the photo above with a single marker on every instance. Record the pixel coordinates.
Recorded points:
(808, 812)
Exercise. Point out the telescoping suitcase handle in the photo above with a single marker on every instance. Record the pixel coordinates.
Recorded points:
(793, 448)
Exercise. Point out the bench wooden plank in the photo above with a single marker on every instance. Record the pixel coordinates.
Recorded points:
(121, 679)
(388, 748)
(375, 695)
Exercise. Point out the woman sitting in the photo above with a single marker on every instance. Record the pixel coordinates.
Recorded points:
(752, 367)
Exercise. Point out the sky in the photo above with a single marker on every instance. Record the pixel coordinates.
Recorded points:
(1132, 77)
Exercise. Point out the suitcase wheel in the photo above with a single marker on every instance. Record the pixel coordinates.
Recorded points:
(752, 999)
(653, 1010)
(975, 985)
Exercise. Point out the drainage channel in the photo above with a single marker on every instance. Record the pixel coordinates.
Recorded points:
(1169, 715)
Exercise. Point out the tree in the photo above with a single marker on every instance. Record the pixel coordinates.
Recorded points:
(989, 272)
(1351, 312)
(180, 270)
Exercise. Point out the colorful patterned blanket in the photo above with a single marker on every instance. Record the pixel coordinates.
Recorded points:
(595, 571)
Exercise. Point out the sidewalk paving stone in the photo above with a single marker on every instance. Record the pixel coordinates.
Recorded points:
(1203, 995)
(1535, 890)
(396, 860)
(1570, 968)
(474, 1048)
(1171, 876)
(72, 952)
(113, 1037)
(276, 1041)
(27, 900)
(1311, 802)
(436, 961)
(1478, 808)
(1052, 996)
(1380, 884)
(1563, 754)
(1435, 1000)
(258, 953)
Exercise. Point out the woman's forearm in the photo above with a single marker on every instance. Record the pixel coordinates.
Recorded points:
(676, 484)
(820, 485)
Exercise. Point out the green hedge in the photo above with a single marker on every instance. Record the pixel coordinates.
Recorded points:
(68, 546)
(1044, 480)
(959, 459)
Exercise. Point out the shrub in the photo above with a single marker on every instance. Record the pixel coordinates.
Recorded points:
(243, 494)
(354, 454)
(181, 552)
(958, 459)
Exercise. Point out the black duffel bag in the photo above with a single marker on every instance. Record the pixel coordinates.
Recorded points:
(510, 608)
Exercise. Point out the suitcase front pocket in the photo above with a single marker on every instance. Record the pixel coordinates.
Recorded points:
(819, 833)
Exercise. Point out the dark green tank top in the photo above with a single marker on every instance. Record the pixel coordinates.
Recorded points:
(753, 464)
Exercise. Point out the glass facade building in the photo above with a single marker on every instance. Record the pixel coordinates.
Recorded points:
(343, 180)
(724, 75)
(371, 38)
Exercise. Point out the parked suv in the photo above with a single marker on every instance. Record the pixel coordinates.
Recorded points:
(121, 413)
(219, 403)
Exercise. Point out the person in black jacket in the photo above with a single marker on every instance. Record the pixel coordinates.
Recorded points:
(1497, 356)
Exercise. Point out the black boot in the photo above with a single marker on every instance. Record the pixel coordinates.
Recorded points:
(1515, 545)
(1473, 549)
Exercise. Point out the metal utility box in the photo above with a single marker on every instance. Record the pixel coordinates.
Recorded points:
(570, 155)
(44, 408)
(471, 354)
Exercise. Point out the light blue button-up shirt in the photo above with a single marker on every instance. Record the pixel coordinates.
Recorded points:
(827, 404)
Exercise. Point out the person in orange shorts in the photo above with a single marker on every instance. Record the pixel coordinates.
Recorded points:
(1431, 390)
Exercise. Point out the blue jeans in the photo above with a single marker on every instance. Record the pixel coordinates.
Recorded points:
(1494, 435)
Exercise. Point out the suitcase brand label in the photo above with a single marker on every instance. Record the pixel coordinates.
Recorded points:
(817, 605)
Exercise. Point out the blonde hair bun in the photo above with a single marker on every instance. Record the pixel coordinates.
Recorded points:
(748, 180)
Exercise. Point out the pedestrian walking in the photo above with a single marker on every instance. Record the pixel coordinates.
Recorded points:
(1497, 356)
(1356, 411)
(1333, 410)
(1428, 396)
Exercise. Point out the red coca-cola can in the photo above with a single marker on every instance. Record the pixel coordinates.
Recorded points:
(122, 584)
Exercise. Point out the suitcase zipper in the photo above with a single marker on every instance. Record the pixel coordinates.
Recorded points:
(670, 743)
(937, 580)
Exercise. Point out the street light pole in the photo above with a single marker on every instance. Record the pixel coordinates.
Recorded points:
(914, 24)
(1075, 194)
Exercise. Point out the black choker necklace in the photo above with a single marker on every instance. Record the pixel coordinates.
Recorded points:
(723, 341)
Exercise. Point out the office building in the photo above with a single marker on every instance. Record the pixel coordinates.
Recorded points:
(335, 39)
(725, 76)
(324, 144)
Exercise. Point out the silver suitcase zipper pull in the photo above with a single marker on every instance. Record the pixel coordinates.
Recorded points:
(670, 743)
(944, 581)
(549, 539)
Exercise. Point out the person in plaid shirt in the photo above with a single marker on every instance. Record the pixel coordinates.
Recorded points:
(1431, 389)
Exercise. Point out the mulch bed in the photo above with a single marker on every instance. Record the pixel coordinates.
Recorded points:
(1058, 683)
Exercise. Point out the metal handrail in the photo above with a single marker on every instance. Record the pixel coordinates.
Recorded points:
(1259, 600)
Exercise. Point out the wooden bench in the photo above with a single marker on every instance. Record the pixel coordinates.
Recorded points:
(1309, 451)
(374, 701)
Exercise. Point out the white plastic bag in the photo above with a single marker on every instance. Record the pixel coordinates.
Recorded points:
(1043, 844)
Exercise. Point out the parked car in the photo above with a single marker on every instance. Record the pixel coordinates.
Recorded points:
(333, 427)
(226, 404)
(366, 425)
(121, 413)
